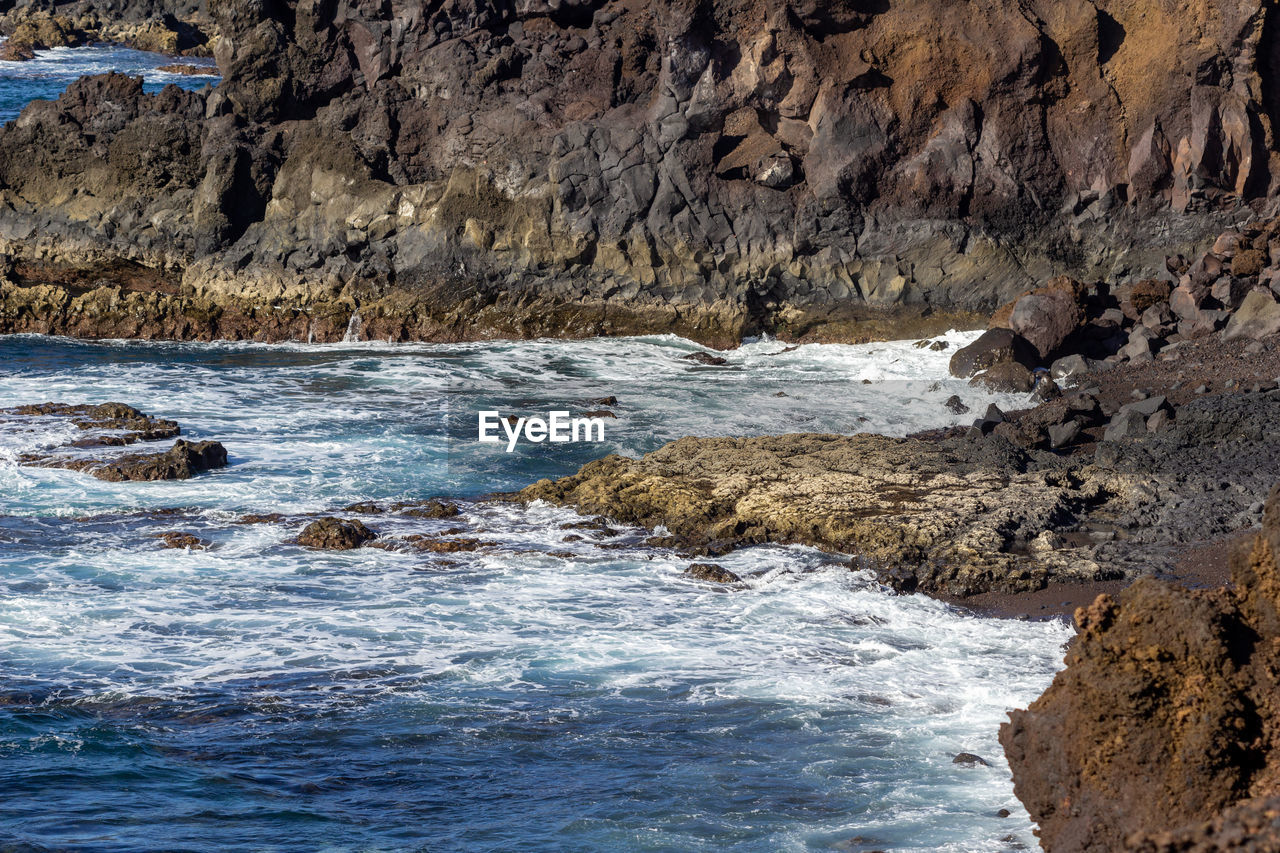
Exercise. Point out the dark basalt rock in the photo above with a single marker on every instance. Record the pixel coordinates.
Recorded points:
(994, 346)
(335, 534)
(180, 462)
(574, 169)
(705, 358)
(711, 572)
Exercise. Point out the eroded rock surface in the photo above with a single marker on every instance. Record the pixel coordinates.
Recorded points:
(956, 515)
(115, 425)
(335, 534)
(469, 170)
(1161, 734)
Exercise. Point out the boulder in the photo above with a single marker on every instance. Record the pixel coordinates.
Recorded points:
(1230, 290)
(335, 534)
(992, 347)
(1005, 377)
(956, 406)
(1047, 316)
(705, 358)
(1148, 406)
(180, 462)
(1070, 365)
(1257, 317)
(1138, 350)
(1185, 301)
(1125, 424)
(968, 759)
(1063, 434)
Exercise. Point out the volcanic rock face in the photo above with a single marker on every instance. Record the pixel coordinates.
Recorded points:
(1161, 734)
(457, 170)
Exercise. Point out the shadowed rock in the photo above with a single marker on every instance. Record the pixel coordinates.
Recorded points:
(180, 462)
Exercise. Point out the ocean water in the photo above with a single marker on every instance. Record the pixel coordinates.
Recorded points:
(52, 71)
(535, 694)
(544, 692)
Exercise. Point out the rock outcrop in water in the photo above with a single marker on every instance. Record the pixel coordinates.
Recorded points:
(117, 425)
(465, 170)
(1161, 735)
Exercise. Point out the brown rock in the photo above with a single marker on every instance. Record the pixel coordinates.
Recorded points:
(180, 462)
(1007, 377)
(335, 534)
(1045, 317)
(1160, 728)
(178, 539)
(992, 347)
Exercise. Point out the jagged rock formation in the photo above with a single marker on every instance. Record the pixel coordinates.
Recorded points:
(455, 169)
(1161, 734)
(162, 26)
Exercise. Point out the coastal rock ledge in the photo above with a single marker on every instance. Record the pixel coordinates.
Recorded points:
(1163, 732)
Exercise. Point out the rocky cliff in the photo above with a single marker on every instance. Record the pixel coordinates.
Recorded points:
(460, 169)
(1161, 733)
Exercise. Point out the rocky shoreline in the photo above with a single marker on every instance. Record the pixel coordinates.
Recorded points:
(592, 167)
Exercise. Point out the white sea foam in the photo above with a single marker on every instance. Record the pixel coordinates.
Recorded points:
(866, 694)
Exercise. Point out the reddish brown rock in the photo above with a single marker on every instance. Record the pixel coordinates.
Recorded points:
(178, 539)
(1161, 733)
(1047, 316)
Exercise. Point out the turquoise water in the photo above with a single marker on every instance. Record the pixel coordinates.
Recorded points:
(52, 71)
(537, 694)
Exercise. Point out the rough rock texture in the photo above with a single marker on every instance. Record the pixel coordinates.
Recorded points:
(1161, 734)
(162, 26)
(957, 515)
(181, 462)
(465, 170)
(335, 534)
